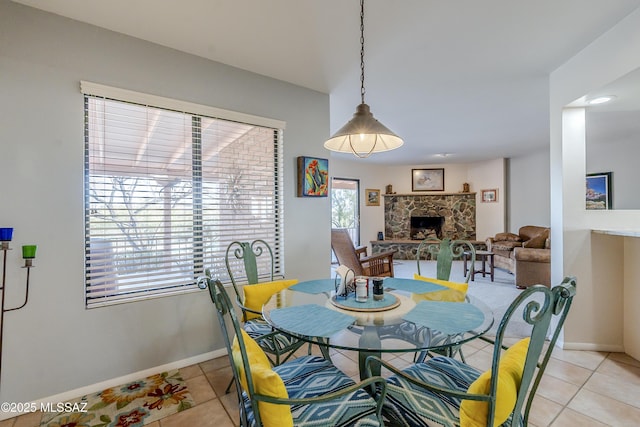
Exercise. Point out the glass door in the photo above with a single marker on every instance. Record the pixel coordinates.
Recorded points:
(345, 206)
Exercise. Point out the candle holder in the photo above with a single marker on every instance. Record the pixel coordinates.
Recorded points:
(28, 253)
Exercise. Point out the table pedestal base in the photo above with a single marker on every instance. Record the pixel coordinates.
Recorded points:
(369, 339)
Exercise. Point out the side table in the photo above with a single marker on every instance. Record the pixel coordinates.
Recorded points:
(485, 257)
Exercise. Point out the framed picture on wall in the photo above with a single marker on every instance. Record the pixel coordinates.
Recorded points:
(598, 195)
(372, 197)
(489, 196)
(427, 179)
(313, 177)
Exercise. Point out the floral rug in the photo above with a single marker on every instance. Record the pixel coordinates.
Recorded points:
(134, 404)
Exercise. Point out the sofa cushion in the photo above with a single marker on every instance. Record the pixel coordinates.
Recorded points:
(532, 255)
(529, 231)
(537, 241)
(506, 245)
(507, 237)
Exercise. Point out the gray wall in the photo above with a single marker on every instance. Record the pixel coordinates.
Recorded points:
(612, 146)
(528, 181)
(54, 344)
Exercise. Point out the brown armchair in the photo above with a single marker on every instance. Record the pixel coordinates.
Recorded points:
(380, 264)
(527, 254)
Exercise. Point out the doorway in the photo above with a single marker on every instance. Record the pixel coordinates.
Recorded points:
(345, 206)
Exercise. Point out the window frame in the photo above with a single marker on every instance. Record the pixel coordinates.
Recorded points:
(197, 113)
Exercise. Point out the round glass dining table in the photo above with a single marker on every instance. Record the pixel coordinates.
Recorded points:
(409, 318)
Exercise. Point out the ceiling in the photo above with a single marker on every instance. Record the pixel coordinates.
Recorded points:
(459, 81)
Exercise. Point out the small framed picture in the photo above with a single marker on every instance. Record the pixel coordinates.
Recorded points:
(598, 195)
(427, 179)
(372, 197)
(489, 196)
(313, 177)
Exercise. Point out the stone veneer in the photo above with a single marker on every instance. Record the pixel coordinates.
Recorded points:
(458, 210)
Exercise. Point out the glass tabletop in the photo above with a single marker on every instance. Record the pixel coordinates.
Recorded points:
(407, 319)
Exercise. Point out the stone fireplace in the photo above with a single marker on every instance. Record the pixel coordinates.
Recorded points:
(411, 218)
(450, 215)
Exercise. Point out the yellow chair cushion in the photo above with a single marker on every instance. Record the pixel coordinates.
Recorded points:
(256, 295)
(456, 292)
(265, 382)
(474, 413)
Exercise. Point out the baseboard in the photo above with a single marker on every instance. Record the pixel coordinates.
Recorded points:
(94, 388)
(583, 346)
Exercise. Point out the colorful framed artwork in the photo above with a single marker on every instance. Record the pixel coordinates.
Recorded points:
(489, 196)
(598, 195)
(313, 177)
(372, 197)
(427, 179)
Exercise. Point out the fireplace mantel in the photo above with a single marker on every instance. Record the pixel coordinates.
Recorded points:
(425, 194)
(458, 209)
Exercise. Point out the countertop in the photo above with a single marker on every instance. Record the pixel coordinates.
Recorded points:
(621, 232)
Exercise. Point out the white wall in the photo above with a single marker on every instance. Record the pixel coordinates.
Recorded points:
(54, 344)
(596, 317)
(615, 155)
(490, 217)
(529, 181)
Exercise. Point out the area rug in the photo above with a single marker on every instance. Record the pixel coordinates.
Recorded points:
(133, 404)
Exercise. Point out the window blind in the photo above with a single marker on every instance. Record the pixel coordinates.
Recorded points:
(167, 191)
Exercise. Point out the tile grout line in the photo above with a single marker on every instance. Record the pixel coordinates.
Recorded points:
(593, 371)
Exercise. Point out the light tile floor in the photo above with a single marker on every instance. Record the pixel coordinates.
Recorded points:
(579, 388)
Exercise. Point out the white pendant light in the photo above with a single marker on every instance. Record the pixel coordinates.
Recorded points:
(363, 135)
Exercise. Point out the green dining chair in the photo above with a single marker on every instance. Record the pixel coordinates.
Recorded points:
(252, 264)
(304, 391)
(446, 392)
(445, 251)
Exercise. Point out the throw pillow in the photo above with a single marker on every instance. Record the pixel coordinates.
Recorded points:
(537, 241)
(474, 413)
(256, 295)
(507, 237)
(456, 292)
(265, 381)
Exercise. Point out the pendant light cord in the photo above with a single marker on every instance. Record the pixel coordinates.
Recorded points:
(362, 51)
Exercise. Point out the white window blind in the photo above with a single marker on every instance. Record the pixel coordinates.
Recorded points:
(167, 191)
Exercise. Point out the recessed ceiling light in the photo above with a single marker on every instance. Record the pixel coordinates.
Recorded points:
(600, 100)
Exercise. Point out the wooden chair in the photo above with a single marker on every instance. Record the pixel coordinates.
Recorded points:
(243, 260)
(444, 252)
(356, 258)
(452, 393)
(307, 391)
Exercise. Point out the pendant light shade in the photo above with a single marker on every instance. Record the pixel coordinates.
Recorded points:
(363, 135)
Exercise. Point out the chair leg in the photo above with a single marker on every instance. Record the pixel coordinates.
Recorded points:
(461, 355)
(228, 389)
(420, 357)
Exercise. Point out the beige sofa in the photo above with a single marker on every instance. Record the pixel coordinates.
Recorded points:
(527, 254)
